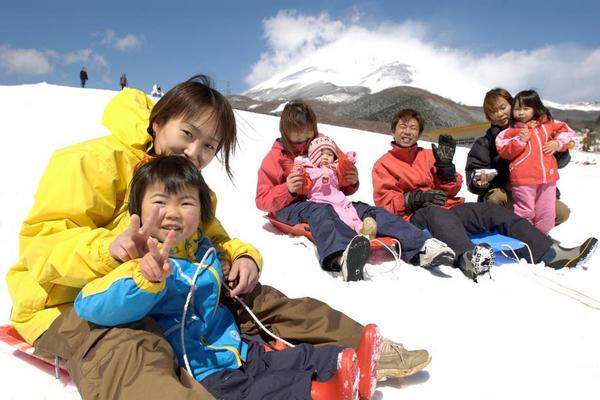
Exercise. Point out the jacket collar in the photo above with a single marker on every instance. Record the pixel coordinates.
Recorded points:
(406, 154)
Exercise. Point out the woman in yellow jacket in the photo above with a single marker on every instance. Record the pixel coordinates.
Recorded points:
(79, 230)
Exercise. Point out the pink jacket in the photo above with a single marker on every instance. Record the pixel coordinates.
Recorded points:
(528, 163)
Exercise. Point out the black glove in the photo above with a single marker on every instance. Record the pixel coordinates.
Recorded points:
(444, 153)
(417, 199)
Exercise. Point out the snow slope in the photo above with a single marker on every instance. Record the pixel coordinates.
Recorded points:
(528, 332)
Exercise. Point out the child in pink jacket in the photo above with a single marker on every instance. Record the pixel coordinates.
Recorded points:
(323, 177)
(529, 145)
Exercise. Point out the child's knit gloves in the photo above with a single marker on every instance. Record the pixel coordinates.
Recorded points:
(417, 199)
(444, 153)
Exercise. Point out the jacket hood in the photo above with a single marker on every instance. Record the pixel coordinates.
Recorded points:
(127, 117)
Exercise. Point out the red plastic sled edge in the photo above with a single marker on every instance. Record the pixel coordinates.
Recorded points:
(302, 229)
(10, 336)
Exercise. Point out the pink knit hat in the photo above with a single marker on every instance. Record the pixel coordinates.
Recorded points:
(316, 145)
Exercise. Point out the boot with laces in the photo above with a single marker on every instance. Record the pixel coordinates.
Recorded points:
(478, 261)
(397, 362)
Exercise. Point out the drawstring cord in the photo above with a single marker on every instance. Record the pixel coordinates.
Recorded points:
(187, 304)
(393, 252)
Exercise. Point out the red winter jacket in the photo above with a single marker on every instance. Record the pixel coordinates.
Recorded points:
(528, 163)
(271, 190)
(402, 170)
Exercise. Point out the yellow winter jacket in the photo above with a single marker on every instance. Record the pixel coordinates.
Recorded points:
(80, 207)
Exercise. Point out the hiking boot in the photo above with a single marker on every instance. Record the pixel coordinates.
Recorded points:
(558, 257)
(435, 253)
(367, 353)
(344, 384)
(355, 257)
(477, 261)
(369, 228)
(397, 362)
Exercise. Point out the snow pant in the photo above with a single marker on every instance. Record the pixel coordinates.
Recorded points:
(536, 203)
(135, 361)
(453, 226)
(331, 235)
(283, 374)
(503, 197)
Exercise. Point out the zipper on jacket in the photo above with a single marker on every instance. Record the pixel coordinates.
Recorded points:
(232, 349)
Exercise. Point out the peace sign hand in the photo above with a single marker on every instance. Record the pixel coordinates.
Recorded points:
(132, 243)
(155, 265)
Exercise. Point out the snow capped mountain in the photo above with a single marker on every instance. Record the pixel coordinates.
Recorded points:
(580, 106)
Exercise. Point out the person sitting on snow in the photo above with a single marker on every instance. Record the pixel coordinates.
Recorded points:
(179, 279)
(421, 186)
(279, 191)
(323, 175)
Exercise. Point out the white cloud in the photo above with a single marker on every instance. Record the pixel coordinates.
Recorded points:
(129, 42)
(123, 43)
(24, 61)
(349, 50)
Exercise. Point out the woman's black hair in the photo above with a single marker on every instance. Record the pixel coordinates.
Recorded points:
(189, 99)
(175, 173)
(530, 98)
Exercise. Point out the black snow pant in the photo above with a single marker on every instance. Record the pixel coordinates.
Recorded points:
(453, 226)
(283, 374)
(331, 235)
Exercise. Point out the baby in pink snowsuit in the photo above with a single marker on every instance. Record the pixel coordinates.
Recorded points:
(323, 175)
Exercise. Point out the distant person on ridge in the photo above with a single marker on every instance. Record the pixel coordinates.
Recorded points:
(279, 191)
(123, 81)
(156, 91)
(83, 76)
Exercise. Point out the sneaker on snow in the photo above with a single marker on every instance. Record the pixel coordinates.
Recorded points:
(477, 261)
(435, 253)
(558, 257)
(355, 257)
(397, 362)
(369, 228)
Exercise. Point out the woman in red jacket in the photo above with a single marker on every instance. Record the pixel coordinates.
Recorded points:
(422, 185)
(279, 191)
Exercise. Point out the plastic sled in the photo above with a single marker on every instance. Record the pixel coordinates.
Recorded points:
(499, 243)
(10, 336)
(302, 229)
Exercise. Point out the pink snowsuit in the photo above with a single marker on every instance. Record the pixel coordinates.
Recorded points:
(325, 189)
(533, 173)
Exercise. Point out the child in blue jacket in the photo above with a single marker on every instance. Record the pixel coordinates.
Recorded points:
(178, 283)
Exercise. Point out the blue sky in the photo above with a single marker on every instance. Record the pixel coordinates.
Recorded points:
(167, 41)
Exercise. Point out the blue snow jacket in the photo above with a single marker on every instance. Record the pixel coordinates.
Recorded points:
(211, 337)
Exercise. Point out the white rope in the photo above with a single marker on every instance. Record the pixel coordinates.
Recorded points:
(394, 253)
(187, 304)
(255, 318)
(559, 287)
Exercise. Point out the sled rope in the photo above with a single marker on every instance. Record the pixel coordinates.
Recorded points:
(558, 287)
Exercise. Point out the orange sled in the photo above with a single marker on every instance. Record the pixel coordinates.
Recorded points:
(10, 336)
(302, 229)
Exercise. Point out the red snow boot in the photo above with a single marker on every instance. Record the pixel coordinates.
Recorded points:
(343, 385)
(367, 352)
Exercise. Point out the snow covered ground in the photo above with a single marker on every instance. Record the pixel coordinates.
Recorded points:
(529, 332)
